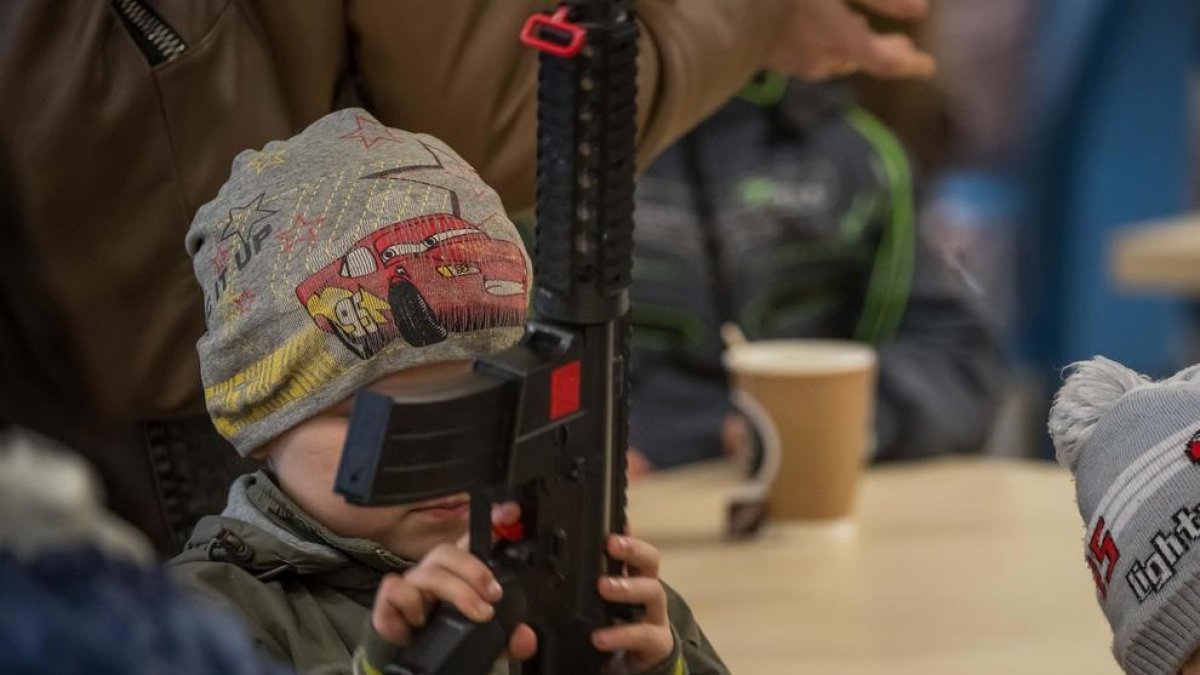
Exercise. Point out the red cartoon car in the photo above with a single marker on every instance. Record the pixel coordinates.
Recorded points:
(419, 279)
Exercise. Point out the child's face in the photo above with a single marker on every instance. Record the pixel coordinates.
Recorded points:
(305, 459)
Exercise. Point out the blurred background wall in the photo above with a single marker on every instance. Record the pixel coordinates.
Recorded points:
(1050, 128)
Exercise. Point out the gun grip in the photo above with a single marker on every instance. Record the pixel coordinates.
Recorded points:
(452, 644)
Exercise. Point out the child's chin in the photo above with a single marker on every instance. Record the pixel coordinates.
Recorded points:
(449, 515)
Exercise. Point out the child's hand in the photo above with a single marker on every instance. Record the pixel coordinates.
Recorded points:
(650, 641)
(449, 574)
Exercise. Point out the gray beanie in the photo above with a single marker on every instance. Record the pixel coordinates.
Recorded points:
(1134, 447)
(340, 256)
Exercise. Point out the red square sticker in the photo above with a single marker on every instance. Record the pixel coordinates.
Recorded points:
(564, 390)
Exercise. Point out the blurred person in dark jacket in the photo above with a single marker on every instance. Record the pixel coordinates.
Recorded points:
(791, 214)
(79, 592)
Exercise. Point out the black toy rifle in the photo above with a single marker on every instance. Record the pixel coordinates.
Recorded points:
(546, 422)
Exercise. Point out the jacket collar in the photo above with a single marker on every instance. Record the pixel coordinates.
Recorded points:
(269, 502)
(264, 532)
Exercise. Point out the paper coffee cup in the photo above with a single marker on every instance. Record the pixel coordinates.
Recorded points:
(813, 400)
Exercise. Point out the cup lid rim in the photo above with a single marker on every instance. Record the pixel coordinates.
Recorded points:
(771, 357)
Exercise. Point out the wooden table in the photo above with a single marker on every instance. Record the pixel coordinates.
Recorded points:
(959, 567)
(1162, 256)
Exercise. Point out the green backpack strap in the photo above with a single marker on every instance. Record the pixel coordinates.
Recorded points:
(891, 277)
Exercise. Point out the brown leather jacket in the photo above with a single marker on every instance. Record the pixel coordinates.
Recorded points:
(120, 118)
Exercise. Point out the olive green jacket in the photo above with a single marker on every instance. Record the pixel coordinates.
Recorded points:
(306, 593)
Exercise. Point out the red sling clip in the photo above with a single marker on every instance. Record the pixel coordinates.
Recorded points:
(574, 33)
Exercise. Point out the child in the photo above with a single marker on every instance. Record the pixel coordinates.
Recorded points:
(1134, 448)
(357, 255)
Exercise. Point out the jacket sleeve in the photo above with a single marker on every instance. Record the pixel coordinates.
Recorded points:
(458, 72)
(940, 377)
(374, 653)
(699, 657)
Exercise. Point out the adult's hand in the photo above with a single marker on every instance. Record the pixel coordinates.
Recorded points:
(828, 38)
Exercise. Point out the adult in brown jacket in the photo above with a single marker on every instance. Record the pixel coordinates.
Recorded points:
(120, 118)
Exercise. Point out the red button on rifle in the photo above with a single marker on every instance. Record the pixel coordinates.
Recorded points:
(572, 34)
(513, 532)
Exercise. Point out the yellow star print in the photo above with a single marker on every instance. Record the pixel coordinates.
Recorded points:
(264, 160)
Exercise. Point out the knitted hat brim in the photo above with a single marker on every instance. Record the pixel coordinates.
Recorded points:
(1164, 643)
